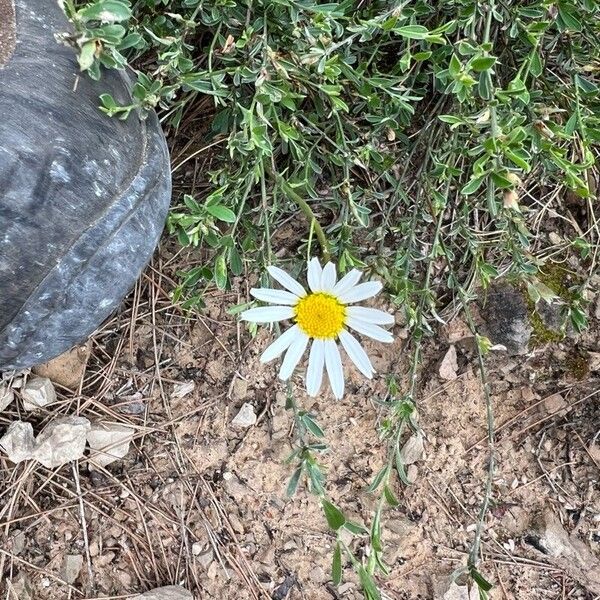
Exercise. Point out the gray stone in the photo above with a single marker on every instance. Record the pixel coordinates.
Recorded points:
(449, 365)
(18, 442)
(450, 590)
(246, 417)
(240, 388)
(181, 390)
(205, 558)
(62, 441)
(507, 319)
(38, 392)
(18, 541)
(21, 589)
(413, 449)
(83, 197)
(170, 592)
(71, 567)
(6, 396)
(109, 442)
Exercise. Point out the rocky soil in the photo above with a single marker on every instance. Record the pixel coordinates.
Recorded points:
(180, 474)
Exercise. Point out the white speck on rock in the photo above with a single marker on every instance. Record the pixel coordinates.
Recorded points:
(59, 173)
(246, 417)
(62, 441)
(109, 442)
(38, 392)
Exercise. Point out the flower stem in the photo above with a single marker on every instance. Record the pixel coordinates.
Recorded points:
(308, 212)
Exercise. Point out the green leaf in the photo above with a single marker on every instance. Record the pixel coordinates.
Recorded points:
(87, 56)
(378, 479)
(517, 160)
(482, 63)
(472, 186)
(235, 261)
(578, 319)
(571, 124)
(390, 498)
(335, 517)
(535, 63)
(480, 580)
(293, 484)
(413, 32)
(221, 212)
(221, 272)
(501, 180)
(568, 20)
(106, 11)
(108, 101)
(454, 68)
(376, 531)
(368, 584)
(355, 528)
(312, 426)
(452, 119)
(336, 566)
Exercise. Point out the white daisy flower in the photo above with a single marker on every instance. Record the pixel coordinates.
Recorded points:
(323, 315)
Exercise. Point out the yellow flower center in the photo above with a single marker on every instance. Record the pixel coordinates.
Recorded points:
(320, 315)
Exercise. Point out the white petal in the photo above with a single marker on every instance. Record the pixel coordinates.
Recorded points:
(333, 362)
(268, 314)
(348, 281)
(370, 330)
(314, 374)
(328, 277)
(360, 292)
(370, 315)
(293, 355)
(274, 296)
(356, 353)
(314, 275)
(288, 282)
(281, 344)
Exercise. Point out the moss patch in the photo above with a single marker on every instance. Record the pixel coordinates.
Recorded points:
(577, 365)
(561, 281)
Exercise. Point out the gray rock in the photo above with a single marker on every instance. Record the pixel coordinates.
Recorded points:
(449, 365)
(450, 590)
(170, 592)
(71, 567)
(507, 318)
(245, 418)
(109, 442)
(38, 392)
(18, 541)
(240, 388)
(205, 558)
(18, 442)
(181, 390)
(6, 396)
(552, 315)
(21, 588)
(413, 449)
(83, 197)
(62, 441)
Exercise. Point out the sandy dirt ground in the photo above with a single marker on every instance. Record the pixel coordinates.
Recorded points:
(202, 503)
